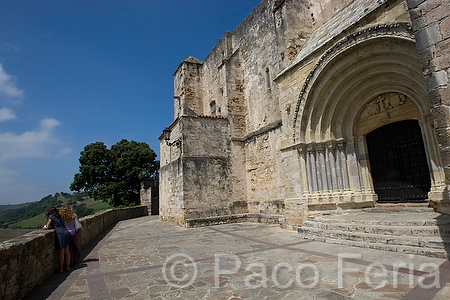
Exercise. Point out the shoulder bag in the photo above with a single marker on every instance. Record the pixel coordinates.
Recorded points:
(78, 225)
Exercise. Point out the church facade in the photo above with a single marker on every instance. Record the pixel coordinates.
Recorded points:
(311, 106)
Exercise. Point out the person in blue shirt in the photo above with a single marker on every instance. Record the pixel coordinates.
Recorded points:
(62, 237)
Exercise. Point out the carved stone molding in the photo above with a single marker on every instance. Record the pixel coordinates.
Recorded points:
(311, 147)
(340, 144)
(399, 30)
(383, 103)
(331, 145)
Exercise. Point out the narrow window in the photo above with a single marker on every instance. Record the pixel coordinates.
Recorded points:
(213, 108)
(268, 77)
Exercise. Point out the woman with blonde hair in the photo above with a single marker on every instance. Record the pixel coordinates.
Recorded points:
(69, 218)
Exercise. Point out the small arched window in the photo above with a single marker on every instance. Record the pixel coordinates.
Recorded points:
(213, 108)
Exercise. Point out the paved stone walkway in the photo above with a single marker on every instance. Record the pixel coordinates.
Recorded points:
(144, 258)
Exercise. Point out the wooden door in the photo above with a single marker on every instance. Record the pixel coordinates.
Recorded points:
(398, 162)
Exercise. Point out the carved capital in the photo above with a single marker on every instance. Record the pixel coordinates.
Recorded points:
(301, 149)
(341, 143)
(331, 145)
(311, 147)
(321, 147)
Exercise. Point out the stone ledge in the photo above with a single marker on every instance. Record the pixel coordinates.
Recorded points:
(236, 218)
(336, 206)
(439, 253)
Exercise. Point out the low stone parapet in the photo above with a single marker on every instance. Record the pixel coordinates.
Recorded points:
(236, 218)
(27, 261)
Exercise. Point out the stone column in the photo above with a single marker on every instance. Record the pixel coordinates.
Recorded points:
(434, 159)
(301, 151)
(435, 163)
(342, 172)
(331, 165)
(321, 167)
(353, 163)
(364, 165)
(311, 160)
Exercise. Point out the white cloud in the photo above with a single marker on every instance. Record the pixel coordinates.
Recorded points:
(64, 151)
(37, 143)
(7, 85)
(7, 114)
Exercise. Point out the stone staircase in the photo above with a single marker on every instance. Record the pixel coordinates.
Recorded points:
(409, 230)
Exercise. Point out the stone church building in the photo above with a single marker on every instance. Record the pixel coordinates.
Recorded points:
(311, 106)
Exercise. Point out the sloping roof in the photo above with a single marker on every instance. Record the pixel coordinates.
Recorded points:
(192, 60)
(212, 117)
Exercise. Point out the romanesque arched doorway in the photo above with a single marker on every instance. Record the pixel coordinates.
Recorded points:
(398, 162)
(369, 80)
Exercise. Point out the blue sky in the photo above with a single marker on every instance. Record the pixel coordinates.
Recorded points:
(78, 72)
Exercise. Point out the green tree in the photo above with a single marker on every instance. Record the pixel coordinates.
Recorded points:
(82, 211)
(114, 175)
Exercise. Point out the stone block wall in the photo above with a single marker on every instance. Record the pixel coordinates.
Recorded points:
(170, 191)
(201, 182)
(27, 261)
(207, 187)
(187, 88)
(265, 187)
(207, 136)
(149, 195)
(257, 42)
(431, 25)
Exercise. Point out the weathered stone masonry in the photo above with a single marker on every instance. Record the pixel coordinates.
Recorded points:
(274, 121)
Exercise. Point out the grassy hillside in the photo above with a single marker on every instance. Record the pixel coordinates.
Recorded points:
(33, 214)
(12, 206)
(34, 222)
(7, 234)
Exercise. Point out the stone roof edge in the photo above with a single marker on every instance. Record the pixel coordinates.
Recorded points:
(170, 127)
(269, 127)
(341, 22)
(212, 117)
(190, 59)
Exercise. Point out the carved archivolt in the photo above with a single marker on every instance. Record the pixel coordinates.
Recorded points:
(398, 30)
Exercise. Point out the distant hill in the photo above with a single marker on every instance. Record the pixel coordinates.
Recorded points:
(11, 206)
(34, 214)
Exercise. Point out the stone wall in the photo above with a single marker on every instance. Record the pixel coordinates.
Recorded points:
(292, 81)
(431, 25)
(187, 88)
(265, 187)
(149, 195)
(200, 181)
(27, 261)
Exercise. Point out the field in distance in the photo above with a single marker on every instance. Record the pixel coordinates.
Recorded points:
(18, 219)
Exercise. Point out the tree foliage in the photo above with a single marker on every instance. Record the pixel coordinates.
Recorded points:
(114, 175)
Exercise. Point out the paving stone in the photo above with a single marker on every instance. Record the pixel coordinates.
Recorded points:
(135, 260)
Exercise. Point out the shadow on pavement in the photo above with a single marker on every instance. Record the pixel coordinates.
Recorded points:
(48, 287)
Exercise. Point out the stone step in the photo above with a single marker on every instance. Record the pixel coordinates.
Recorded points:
(395, 221)
(418, 231)
(431, 252)
(426, 242)
(386, 208)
